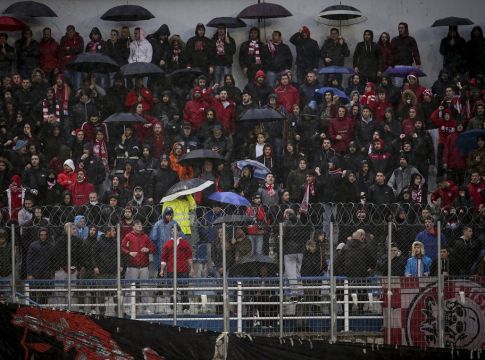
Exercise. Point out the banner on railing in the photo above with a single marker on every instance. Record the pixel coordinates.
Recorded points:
(415, 310)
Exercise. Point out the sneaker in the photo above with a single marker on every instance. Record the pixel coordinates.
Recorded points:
(92, 312)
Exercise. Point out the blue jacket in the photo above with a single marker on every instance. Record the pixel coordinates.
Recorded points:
(412, 266)
(430, 242)
(160, 234)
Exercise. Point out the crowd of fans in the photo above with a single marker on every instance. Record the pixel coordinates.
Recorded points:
(380, 144)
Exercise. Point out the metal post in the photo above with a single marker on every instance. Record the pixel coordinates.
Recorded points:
(389, 279)
(14, 272)
(133, 300)
(441, 333)
(175, 236)
(26, 293)
(69, 290)
(346, 305)
(118, 271)
(239, 306)
(281, 276)
(224, 280)
(333, 295)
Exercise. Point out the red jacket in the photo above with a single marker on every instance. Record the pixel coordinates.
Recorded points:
(226, 115)
(194, 112)
(134, 242)
(48, 55)
(407, 127)
(446, 195)
(343, 127)
(132, 99)
(288, 96)
(80, 192)
(70, 48)
(184, 253)
(380, 111)
(445, 127)
(475, 195)
(452, 156)
(259, 215)
(67, 179)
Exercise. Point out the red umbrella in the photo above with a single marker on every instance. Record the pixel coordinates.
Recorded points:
(8, 23)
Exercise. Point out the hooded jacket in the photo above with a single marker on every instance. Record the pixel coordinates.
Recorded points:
(96, 46)
(307, 52)
(475, 52)
(162, 231)
(134, 242)
(140, 50)
(199, 51)
(161, 49)
(181, 211)
(405, 49)
(194, 110)
(183, 172)
(80, 191)
(366, 57)
(70, 48)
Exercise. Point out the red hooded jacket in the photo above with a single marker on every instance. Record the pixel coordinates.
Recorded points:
(49, 55)
(80, 192)
(134, 242)
(194, 110)
(446, 127)
(343, 127)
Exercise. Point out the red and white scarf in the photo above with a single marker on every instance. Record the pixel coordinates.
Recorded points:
(270, 189)
(101, 151)
(62, 94)
(220, 46)
(310, 189)
(254, 51)
(45, 110)
(272, 48)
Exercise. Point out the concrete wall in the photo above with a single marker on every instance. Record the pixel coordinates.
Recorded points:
(182, 16)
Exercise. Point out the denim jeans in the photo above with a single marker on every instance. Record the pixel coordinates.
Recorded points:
(256, 244)
(220, 71)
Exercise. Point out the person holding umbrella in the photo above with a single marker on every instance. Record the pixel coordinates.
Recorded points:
(224, 48)
(307, 53)
(453, 47)
(334, 50)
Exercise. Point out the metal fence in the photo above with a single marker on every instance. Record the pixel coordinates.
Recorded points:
(280, 273)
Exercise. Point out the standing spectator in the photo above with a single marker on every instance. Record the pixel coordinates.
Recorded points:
(257, 230)
(161, 232)
(341, 130)
(251, 55)
(404, 50)
(40, 257)
(288, 94)
(182, 207)
(92, 166)
(401, 176)
(160, 46)
(334, 50)
(454, 163)
(116, 48)
(307, 53)
(465, 248)
(226, 112)
(448, 265)
(81, 188)
(27, 50)
(72, 44)
(7, 56)
(475, 52)
(429, 238)
(140, 48)
(418, 265)
(445, 192)
(476, 188)
(366, 58)
(380, 193)
(476, 158)
(398, 262)
(224, 48)
(385, 53)
(199, 51)
(259, 88)
(453, 49)
(278, 57)
(138, 246)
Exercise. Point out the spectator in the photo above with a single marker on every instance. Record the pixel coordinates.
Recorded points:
(404, 49)
(259, 88)
(464, 249)
(5, 259)
(7, 56)
(287, 93)
(247, 185)
(448, 266)
(219, 143)
(161, 232)
(93, 166)
(366, 57)
(224, 48)
(140, 48)
(226, 111)
(194, 109)
(296, 179)
(163, 178)
(40, 257)
(81, 188)
(380, 193)
(341, 130)
(475, 51)
(182, 208)
(199, 51)
(398, 262)
(476, 158)
(446, 192)
(307, 53)
(257, 230)
(475, 188)
(385, 53)
(71, 45)
(308, 87)
(334, 50)
(251, 55)
(278, 57)
(429, 238)
(401, 177)
(418, 265)
(183, 172)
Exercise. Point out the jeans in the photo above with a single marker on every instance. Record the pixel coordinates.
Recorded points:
(292, 272)
(220, 71)
(256, 244)
(134, 273)
(396, 80)
(330, 215)
(74, 77)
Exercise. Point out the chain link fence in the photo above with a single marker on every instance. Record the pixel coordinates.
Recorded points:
(273, 270)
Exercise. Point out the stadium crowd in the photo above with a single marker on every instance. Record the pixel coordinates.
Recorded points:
(367, 142)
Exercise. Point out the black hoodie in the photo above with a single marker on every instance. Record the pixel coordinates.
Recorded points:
(475, 52)
(366, 57)
(199, 51)
(161, 49)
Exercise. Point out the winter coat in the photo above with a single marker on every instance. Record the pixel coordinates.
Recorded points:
(307, 52)
(336, 52)
(80, 191)
(118, 51)
(105, 255)
(281, 59)
(227, 58)
(446, 195)
(181, 211)
(134, 242)
(7, 60)
(452, 155)
(40, 262)
(364, 131)
(454, 56)
(248, 61)
(200, 52)
(287, 96)
(366, 58)
(162, 180)
(445, 127)
(184, 254)
(70, 48)
(354, 259)
(475, 52)
(401, 178)
(27, 55)
(296, 178)
(380, 194)
(140, 50)
(412, 266)
(343, 127)
(162, 231)
(405, 50)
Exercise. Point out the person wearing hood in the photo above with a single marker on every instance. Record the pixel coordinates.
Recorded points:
(405, 50)
(224, 48)
(81, 188)
(341, 130)
(252, 57)
(423, 148)
(369, 96)
(68, 176)
(177, 59)
(367, 57)
(40, 257)
(183, 172)
(194, 109)
(160, 46)
(259, 88)
(385, 52)
(163, 178)
(475, 52)
(27, 50)
(401, 176)
(307, 53)
(71, 45)
(161, 232)
(140, 48)
(418, 265)
(199, 51)
(453, 47)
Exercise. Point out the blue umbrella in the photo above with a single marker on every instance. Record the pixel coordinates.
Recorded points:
(228, 197)
(403, 71)
(335, 91)
(335, 70)
(259, 170)
(467, 141)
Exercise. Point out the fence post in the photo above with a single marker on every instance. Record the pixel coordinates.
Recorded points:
(133, 300)
(224, 281)
(441, 323)
(389, 279)
(118, 271)
(26, 293)
(333, 295)
(69, 289)
(239, 306)
(346, 305)
(281, 276)
(174, 271)
(14, 272)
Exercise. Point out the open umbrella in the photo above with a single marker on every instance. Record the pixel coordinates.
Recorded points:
(452, 21)
(467, 141)
(264, 11)
(335, 70)
(259, 170)
(335, 91)
(231, 219)
(93, 62)
(201, 155)
(186, 187)
(30, 9)
(252, 265)
(228, 197)
(228, 22)
(403, 71)
(264, 114)
(185, 75)
(8, 23)
(124, 118)
(141, 69)
(340, 15)
(127, 13)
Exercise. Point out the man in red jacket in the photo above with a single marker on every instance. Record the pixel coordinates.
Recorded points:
(225, 111)
(81, 188)
(194, 110)
(341, 130)
(288, 94)
(137, 245)
(48, 54)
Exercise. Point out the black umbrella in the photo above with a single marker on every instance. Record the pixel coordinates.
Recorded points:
(127, 13)
(252, 265)
(93, 62)
(230, 219)
(265, 114)
(141, 69)
(200, 155)
(340, 15)
(228, 22)
(264, 11)
(186, 187)
(30, 9)
(452, 21)
(124, 118)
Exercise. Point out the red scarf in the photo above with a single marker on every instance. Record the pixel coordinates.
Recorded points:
(220, 46)
(272, 48)
(45, 110)
(62, 95)
(254, 51)
(310, 189)
(100, 150)
(270, 189)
